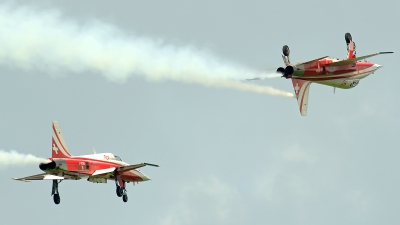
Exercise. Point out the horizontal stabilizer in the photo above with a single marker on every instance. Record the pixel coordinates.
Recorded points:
(350, 61)
(52, 177)
(42, 176)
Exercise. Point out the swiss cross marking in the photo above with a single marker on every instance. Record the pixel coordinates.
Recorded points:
(55, 149)
(296, 89)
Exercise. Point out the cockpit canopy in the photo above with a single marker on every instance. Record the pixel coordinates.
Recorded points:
(117, 158)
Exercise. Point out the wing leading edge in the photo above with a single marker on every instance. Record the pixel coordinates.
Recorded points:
(42, 176)
(353, 60)
(132, 167)
(121, 169)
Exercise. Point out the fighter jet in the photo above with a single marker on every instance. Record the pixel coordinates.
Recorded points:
(96, 168)
(344, 74)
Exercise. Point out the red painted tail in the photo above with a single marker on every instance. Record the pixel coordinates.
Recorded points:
(301, 89)
(59, 147)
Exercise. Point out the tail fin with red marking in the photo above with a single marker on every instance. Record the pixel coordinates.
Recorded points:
(301, 88)
(59, 147)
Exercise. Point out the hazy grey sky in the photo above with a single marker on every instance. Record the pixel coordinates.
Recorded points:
(226, 156)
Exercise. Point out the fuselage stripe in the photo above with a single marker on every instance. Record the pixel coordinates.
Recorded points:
(333, 78)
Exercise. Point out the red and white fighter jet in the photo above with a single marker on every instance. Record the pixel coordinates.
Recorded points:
(333, 72)
(96, 168)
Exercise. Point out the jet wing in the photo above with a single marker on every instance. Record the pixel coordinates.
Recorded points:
(132, 167)
(104, 171)
(42, 176)
(121, 169)
(311, 61)
(350, 61)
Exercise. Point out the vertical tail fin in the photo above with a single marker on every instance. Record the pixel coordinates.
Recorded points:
(301, 88)
(59, 147)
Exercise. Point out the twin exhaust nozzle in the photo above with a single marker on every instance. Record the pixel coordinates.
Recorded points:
(287, 72)
(47, 165)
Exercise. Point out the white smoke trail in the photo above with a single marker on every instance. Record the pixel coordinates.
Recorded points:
(274, 75)
(13, 158)
(46, 41)
(268, 76)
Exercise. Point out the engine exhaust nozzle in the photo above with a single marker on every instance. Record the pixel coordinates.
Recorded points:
(47, 165)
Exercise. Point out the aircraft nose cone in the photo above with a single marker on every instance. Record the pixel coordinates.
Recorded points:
(145, 178)
(377, 66)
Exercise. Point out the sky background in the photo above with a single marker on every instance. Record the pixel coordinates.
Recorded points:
(225, 156)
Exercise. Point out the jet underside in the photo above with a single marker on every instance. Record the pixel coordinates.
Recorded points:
(345, 77)
(344, 74)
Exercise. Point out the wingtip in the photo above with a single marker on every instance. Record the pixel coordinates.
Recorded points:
(149, 164)
(19, 179)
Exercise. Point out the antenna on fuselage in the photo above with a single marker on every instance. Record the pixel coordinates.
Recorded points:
(94, 151)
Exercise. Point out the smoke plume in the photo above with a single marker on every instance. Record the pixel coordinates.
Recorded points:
(13, 158)
(46, 41)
